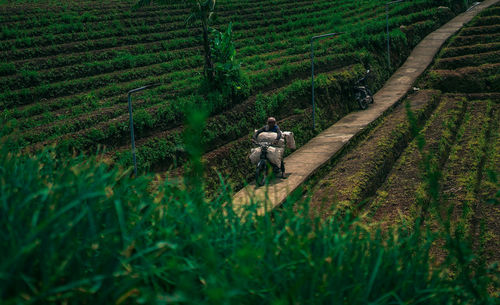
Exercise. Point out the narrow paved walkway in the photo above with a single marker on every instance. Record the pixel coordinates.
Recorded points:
(309, 158)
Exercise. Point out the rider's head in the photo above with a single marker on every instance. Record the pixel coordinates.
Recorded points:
(271, 122)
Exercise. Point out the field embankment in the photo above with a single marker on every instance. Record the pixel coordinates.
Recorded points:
(433, 161)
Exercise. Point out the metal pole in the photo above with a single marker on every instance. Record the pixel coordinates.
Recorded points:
(312, 84)
(387, 29)
(132, 121)
(312, 72)
(132, 131)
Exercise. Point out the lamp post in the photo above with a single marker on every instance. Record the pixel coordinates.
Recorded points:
(387, 29)
(132, 121)
(312, 72)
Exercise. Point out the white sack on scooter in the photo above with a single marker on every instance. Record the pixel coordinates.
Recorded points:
(275, 155)
(270, 137)
(290, 140)
(255, 155)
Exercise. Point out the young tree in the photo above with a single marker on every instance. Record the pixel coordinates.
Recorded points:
(201, 10)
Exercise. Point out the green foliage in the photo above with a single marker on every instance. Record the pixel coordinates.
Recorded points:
(7, 68)
(75, 231)
(90, 101)
(227, 75)
(143, 120)
(261, 108)
(31, 77)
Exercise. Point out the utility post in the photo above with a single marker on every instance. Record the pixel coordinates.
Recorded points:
(312, 72)
(132, 121)
(387, 29)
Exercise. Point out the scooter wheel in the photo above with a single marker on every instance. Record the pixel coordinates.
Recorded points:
(261, 173)
(361, 100)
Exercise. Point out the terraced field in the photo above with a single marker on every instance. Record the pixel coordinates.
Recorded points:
(76, 230)
(443, 167)
(66, 69)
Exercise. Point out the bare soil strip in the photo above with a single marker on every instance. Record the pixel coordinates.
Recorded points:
(486, 212)
(397, 199)
(360, 172)
(460, 175)
(456, 209)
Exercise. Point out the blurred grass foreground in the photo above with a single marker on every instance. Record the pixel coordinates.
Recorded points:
(75, 231)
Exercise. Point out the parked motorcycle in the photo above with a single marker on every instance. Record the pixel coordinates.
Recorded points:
(362, 93)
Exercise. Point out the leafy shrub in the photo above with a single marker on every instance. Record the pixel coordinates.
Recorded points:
(228, 76)
(142, 120)
(31, 77)
(7, 68)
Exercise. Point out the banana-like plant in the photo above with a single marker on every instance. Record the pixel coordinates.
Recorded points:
(201, 10)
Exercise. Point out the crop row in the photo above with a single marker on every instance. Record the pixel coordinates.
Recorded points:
(121, 41)
(469, 60)
(150, 37)
(488, 189)
(483, 78)
(307, 65)
(25, 97)
(460, 41)
(470, 49)
(58, 61)
(95, 55)
(140, 51)
(478, 30)
(70, 87)
(44, 36)
(168, 114)
(111, 11)
(251, 64)
(486, 21)
(463, 171)
(404, 184)
(270, 60)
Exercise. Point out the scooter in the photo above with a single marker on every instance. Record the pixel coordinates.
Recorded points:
(264, 166)
(362, 93)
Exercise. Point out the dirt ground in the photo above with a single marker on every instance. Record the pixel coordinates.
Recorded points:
(359, 173)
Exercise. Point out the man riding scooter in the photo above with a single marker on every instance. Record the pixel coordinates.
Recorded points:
(271, 126)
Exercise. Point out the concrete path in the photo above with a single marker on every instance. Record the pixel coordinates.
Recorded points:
(304, 162)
